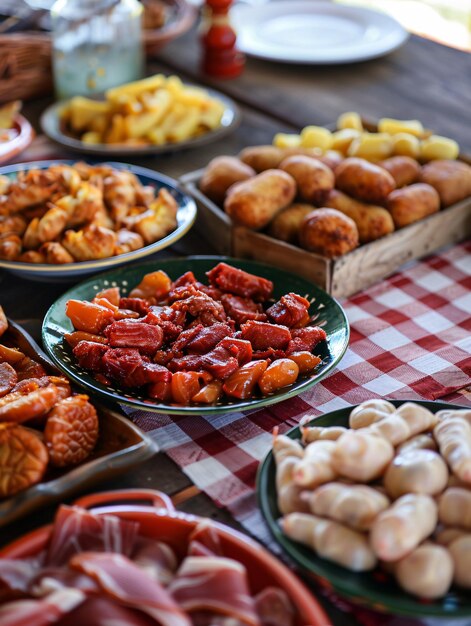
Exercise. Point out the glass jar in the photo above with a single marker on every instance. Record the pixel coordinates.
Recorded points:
(97, 44)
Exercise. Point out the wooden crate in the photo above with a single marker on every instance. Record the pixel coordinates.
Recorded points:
(340, 277)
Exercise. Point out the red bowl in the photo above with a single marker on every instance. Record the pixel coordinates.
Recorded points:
(24, 136)
(162, 522)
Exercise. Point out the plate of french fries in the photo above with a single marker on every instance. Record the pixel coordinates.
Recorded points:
(149, 116)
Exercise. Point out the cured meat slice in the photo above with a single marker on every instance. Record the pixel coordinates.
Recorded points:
(157, 559)
(239, 348)
(199, 305)
(240, 283)
(147, 338)
(290, 310)
(242, 309)
(305, 339)
(76, 530)
(264, 336)
(139, 305)
(16, 575)
(89, 354)
(204, 541)
(105, 612)
(206, 618)
(51, 579)
(48, 610)
(274, 607)
(216, 584)
(125, 582)
(207, 338)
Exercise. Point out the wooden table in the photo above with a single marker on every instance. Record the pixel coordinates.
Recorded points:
(422, 80)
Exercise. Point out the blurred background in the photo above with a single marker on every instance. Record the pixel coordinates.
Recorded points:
(446, 21)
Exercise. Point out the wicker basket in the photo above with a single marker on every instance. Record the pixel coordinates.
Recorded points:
(25, 58)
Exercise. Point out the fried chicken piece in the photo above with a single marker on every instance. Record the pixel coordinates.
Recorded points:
(31, 237)
(55, 253)
(158, 221)
(32, 256)
(67, 176)
(93, 242)
(82, 207)
(12, 225)
(51, 225)
(127, 241)
(119, 194)
(30, 189)
(10, 247)
(102, 218)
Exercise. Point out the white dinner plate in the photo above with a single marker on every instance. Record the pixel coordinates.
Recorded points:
(314, 32)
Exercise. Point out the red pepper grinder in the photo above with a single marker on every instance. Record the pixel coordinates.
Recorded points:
(221, 58)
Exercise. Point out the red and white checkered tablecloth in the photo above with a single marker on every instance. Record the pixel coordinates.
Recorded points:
(410, 339)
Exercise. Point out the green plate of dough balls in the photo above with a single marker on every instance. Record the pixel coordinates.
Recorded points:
(374, 502)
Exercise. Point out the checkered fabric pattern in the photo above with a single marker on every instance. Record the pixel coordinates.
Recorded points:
(410, 339)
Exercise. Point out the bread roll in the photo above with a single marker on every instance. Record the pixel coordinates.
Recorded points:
(403, 169)
(220, 174)
(254, 203)
(413, 203)
(287, 223)
(361, 456)
(451, 179)
(372, 221)
(313, 178)
(364, 180)
(426, 572)
(400, 529)
(329, 233)
(416, 471)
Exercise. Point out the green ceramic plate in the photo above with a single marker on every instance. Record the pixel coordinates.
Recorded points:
(373, 589)
(325, 309)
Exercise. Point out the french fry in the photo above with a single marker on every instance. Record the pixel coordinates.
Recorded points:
(136, 88)
(212, 114)
(185, 128)
(155, 110)
(117, 132)
(83, 111)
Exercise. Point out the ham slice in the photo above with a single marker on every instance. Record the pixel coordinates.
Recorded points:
(76, 530)
(52, 579)
(157, 559)
(48, 610)
(204, 541)
(205, 618)
(105, 612)
(216, 584)
(16, 575)
(274, 607)
(125, 582)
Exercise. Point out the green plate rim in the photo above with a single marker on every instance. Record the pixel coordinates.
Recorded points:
(314, 566)
(101, 390)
